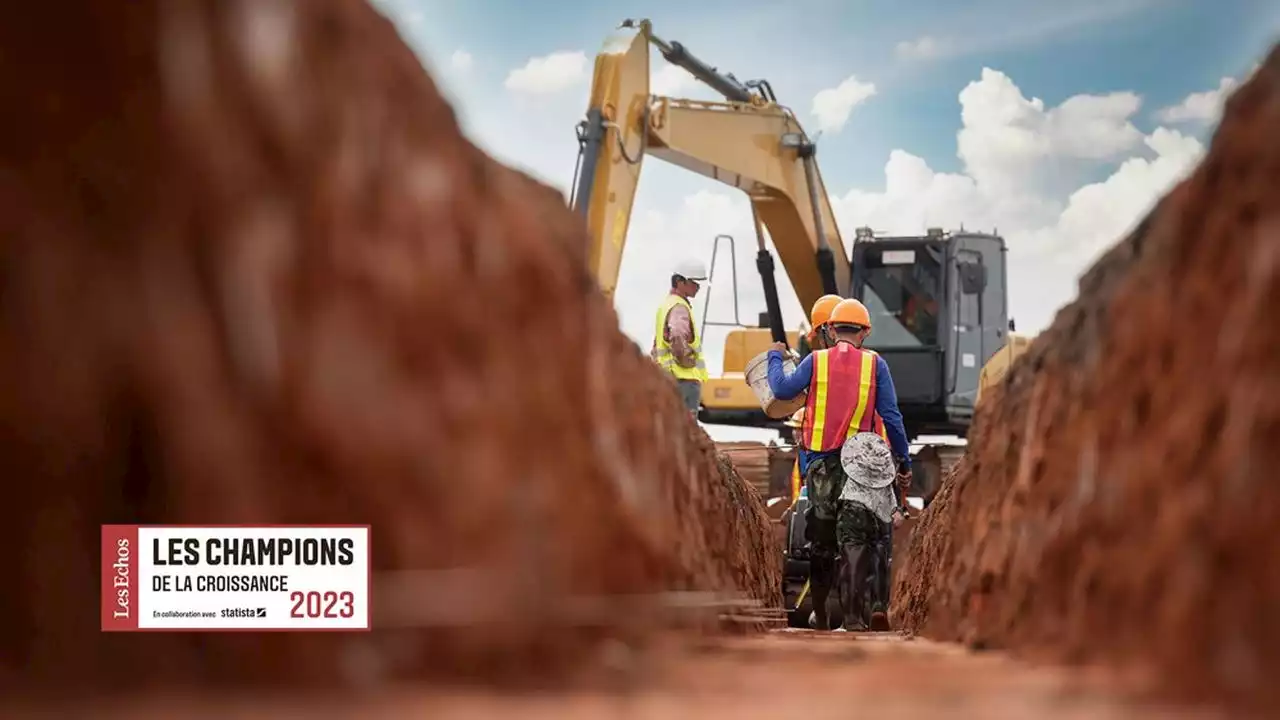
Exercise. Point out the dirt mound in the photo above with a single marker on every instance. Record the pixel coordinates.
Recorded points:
(253, 273)
(751, 460)
(766, 466)
(1117, 497)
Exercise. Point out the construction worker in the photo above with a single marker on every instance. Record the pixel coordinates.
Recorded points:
(851, 401)
(920, 317)
(676, 346)
(816, 338)
(819, 336)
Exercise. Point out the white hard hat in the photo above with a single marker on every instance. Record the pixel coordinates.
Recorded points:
(690, 269)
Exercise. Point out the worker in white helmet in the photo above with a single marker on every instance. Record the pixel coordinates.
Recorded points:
(676, 345)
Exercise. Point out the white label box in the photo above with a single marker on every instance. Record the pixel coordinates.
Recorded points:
(235, 578)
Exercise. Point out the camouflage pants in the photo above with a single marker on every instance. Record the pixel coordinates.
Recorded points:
(839, 530)
(831, 521)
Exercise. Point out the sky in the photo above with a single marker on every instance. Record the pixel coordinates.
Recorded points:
(1056, 125)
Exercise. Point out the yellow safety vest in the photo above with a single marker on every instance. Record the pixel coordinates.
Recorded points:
(836, 411)
(662, 349)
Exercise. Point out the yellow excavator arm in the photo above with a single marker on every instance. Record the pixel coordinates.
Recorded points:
(749, 142)
(998, 366)
(612, 140)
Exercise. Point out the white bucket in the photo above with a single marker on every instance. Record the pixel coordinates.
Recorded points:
(757, 374)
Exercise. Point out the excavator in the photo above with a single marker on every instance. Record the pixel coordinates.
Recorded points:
(998, 366)
(748, 142)
(938, 301)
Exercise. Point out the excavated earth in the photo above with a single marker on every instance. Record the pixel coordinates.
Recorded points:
(1118, 499)
(761, 677)
(765, 467)
(752, 459)
(253, 273)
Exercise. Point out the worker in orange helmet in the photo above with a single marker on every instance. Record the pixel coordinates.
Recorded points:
(819, 314)
(853, 443)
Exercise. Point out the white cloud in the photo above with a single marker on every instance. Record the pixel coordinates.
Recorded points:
(922, 48)
(671, 81)
(1007, 141)
(549, 74)
(1004, 139)
(1051, 240)
(461, 61)
(1201, 107)
(1099, 213)
(832, 106)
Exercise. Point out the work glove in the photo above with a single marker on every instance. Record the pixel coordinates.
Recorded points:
(904, 480)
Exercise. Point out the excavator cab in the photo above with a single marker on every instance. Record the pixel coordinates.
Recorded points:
(938, 311)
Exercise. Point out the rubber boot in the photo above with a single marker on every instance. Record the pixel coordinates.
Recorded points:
(880, 589)
(820, 571)
(886, 562)
(857, 565)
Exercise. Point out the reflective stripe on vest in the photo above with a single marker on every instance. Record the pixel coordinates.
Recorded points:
(842, 398)
(878, 422)
(662, 349)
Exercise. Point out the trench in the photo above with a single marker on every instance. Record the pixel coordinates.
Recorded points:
(252, 284)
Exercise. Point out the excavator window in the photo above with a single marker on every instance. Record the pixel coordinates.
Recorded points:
(969, 312)
(901, 291)
(972, 276)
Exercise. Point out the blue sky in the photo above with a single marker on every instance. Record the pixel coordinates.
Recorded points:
(1059, 125)
(1161, 49)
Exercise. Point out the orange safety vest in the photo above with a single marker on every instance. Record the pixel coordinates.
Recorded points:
(842, 398)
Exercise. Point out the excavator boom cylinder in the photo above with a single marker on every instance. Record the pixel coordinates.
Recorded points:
(764, 263)
(592, 143)
(677, 54)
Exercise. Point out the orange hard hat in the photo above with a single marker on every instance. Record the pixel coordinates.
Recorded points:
(851, 312)
(821, 311)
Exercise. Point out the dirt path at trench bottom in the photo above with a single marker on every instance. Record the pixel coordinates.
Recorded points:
(772, 675)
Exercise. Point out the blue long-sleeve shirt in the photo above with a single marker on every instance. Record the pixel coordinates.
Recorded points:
(785, 387)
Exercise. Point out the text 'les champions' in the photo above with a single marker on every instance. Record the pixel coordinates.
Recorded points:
(254, 551)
